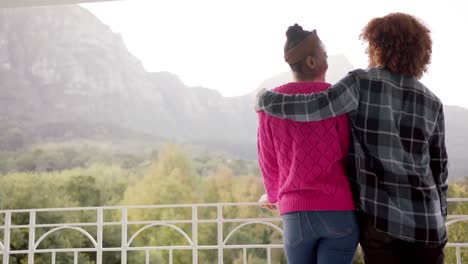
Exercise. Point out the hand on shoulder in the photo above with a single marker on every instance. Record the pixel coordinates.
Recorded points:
(258, 96)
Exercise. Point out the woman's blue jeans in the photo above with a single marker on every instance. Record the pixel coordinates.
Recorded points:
(320, 237)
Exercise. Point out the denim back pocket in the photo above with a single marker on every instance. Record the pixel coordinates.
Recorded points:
(292, 229)
(338, 224)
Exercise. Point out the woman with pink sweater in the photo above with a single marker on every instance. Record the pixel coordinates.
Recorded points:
(303, 165)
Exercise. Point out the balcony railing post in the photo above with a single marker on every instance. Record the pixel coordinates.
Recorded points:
(124, 236)
(194, 235)
(6, 238)
(244, 255)
(100, 222)
(269, 255)
(219, 219)
(32, 237)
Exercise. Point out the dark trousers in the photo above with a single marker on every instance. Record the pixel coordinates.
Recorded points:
(380, 248)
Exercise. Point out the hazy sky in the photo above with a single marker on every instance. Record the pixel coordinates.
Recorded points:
(232, 46)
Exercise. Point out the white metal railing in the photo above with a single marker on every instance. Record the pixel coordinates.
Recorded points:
(223, 235)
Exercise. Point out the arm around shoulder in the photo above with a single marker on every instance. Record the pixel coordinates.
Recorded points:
(341, 98)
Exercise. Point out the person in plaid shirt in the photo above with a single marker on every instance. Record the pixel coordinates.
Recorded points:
(398, 168)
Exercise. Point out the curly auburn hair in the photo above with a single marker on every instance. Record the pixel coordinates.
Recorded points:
(399, 42)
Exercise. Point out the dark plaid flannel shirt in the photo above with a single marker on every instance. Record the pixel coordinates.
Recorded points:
(398, 168)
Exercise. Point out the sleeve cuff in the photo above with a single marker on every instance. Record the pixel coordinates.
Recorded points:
(271, 199)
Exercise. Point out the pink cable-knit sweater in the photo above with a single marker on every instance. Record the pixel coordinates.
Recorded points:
(303, 163)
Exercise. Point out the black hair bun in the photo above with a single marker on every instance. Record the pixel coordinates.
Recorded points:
(295, 33)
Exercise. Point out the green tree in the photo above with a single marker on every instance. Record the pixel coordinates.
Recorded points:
(171, 179)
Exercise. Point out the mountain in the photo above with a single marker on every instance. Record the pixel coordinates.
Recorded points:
(66, 75)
